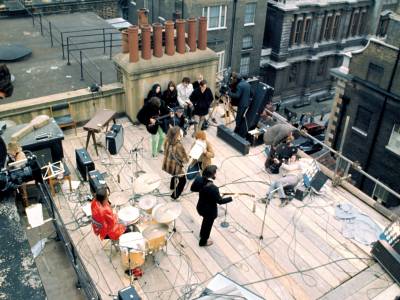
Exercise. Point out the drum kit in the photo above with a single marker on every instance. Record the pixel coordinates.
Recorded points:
(149, 223)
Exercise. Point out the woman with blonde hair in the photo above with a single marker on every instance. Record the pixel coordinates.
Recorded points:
(174, 159)
(208, 152)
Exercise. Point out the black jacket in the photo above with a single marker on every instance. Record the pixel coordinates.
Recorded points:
(209, 197)
(170, 98)
(242, 94)
(201, 101)
(149, 111)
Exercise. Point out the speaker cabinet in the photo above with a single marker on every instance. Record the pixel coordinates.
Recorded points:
(115, 139)
(388, 258)
(128, 293)
(233, 139)
(84, 162)
(318, 181)
(96, 180)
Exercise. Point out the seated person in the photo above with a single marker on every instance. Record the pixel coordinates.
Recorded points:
(170, 95)
(185, 89)
(282, 153)
(294, 171)
(105, 221)
(15, 154)
(154, 92)
(176, 119)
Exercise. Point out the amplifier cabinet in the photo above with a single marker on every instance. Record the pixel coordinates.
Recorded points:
(233, 139)
(96, 180)
(84, 163)
(115, 139)
(388, 258)
(128, 293)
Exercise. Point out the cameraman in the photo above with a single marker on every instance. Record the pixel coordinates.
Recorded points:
(242, 98)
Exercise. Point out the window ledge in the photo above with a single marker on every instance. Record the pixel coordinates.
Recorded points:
(394, 151)
(359, 131)
(249, 24)
(247, 49)
(216, 28)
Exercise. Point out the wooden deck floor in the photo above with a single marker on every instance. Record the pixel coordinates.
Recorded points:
(303, 252)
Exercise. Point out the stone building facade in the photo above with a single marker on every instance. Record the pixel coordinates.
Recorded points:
(235, 27)
(304, 39)
(371, 100)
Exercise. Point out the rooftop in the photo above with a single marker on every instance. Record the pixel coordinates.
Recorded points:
(45, 72)
(304, 254)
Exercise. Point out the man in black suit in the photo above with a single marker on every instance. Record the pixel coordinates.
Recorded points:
(242, 98)
(209, 197)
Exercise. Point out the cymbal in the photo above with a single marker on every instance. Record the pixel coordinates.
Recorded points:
(147, 202)
(146, 183)
(119, 198)
(166, 213)
(154, 231)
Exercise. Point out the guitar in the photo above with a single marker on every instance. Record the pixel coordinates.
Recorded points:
(238, 194)
(152, 128)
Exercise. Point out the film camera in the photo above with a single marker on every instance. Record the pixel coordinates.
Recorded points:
(14, 175)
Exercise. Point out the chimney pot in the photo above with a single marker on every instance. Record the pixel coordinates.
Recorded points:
(146, 42)
(169, 37)
(133, 42)
(180, 36)
(202, 42)
(157, 40)
(142, 16)
(192, 34)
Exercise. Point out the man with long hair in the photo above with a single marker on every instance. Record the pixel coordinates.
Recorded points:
(6, 87)
(174, 159)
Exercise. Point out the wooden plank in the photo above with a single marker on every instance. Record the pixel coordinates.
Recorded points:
(390, 293)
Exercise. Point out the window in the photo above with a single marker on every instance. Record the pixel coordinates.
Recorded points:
(307, 31)
(374, 73)
(249, 14)
(363, 22)
(362, 120)
(221, 60)
(328, 28)
(247, 42)
(335, 29)
(383, 26)
(245, 65)
(297, 34)
(216, 17)
(293, 73)
(394, 140)
(321, 71)
(354, 23)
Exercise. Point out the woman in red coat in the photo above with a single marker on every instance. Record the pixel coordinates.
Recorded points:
(105, 221)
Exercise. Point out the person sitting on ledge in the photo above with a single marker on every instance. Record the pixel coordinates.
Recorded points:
(105, 222)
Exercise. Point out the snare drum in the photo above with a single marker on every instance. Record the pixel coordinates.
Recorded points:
(147, 203)
(132, 246)
(128, 215)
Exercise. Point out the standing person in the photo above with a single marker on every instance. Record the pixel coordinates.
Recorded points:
(209, 197)
(174, 158)
(185, 89)
(148, 115)
(242, 97)
(170, 95)
(208, 154)
(154, 92)
(201, 99)
(196, 84)
(105, 222)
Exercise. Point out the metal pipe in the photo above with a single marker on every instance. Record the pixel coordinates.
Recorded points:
(41, 25)
(101, 78)
(62, 45)
(80, 57)
(346, 125)
(104, 41)
(111, 46)
(51, 35)
(68, 63)
(232, 33)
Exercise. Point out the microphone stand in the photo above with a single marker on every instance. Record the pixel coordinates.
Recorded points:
(224, 223)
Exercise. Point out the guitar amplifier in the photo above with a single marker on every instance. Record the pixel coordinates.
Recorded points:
(115, 139)
(300, 193)
(128, 293)
(318, 181)
(96, 180)
(388, 258)
(84, 162)
(233, 139)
